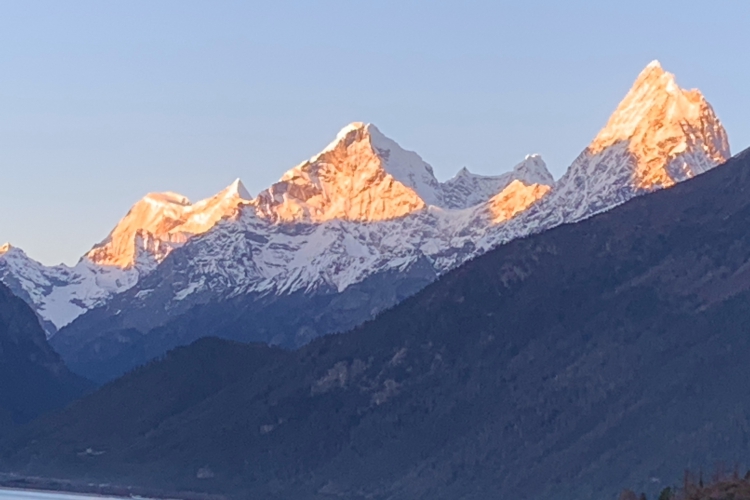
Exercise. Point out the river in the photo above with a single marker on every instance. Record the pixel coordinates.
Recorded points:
(8, 494)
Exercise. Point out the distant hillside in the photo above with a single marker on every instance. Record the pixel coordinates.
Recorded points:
(33, 378)
(596, 356)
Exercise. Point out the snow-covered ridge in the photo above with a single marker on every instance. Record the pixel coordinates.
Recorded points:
(514, 199)
(61, 293)
(364, 205)
(467, 189)
(365, 176)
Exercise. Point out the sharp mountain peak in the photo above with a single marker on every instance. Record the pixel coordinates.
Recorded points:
(658, 135)
(655, 109)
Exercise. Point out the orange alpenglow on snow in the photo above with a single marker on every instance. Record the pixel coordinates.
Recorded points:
(361, 176)
(515, 198)
(659, 121)
(160, 222)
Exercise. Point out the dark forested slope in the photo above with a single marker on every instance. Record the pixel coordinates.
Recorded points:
(572, 364)
(33, 378)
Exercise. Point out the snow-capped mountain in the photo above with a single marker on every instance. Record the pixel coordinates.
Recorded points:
(362, 177)
(660, 134)
(153, 227)
(362, 209)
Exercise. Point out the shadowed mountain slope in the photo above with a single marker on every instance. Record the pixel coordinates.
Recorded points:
(33, 378)
(596, 356)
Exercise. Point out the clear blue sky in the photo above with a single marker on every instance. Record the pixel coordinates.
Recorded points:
(102, 102)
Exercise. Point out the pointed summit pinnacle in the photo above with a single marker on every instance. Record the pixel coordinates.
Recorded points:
(655, 101)
(533, 170)
(238, 188)
(351, 133)
(653, 75)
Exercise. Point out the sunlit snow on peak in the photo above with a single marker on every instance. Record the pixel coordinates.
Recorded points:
(160, 222)
(167, 198)
(656, 122)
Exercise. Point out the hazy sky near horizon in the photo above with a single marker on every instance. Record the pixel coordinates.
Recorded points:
(102, 102)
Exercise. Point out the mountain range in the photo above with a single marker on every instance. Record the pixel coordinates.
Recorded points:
(569, 364)
(349, 233)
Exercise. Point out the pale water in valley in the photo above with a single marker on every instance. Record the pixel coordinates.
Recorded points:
(7, 494)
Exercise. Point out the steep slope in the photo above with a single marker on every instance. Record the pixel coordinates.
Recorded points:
(357, 214)
(514, 199)
(570, 364)
(33, 378)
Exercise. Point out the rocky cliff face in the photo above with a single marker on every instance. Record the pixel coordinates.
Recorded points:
(659, 135)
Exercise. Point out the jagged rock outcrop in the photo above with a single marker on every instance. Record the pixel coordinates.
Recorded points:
(361, 176)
